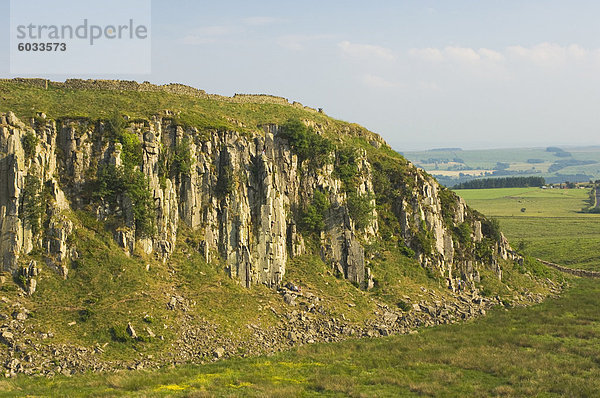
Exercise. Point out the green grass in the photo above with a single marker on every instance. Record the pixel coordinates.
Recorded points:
(106, 289)
(551, 349)
(59, 102)
(508, 202)
(552, 227)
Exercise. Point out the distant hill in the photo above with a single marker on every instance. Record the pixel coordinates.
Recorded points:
(445, 149)
(554, 164)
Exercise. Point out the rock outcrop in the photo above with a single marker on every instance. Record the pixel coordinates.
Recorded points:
(241, 194)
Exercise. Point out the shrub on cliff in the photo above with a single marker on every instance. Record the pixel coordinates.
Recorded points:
(113, 182)
(182, 157)
(132, 150)
(346, 167)
(360, 208)
(448, 200)
(33, 203)
(30, 141)
(423, 242)
(305, 142)
(491, 228)
(313, 217)
(116, 124)
(225, 182)
(463, 233)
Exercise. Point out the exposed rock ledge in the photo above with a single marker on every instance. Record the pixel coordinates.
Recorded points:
(250, 225)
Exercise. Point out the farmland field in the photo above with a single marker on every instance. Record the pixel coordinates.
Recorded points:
(551, 226)
(551, 349)
(454, 165)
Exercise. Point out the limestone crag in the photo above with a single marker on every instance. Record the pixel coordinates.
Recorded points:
(241, 194)
(238, 195)
(24, 177)
(426, 212)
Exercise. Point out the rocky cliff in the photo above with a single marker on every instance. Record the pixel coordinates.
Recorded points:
(250, 198)
(136, 236)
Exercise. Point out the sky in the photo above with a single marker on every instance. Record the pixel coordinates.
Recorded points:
(423, 74)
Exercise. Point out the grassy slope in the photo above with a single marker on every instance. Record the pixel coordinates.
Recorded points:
(100, 104)
(556, 344)
(566, 236)
(551, 349)
(106, 289)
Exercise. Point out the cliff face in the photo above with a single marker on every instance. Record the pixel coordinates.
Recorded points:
(243, 195)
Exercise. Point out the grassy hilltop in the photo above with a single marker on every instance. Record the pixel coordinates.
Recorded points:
(202, 112)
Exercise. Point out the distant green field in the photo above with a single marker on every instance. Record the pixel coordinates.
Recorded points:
(551, 227)
(487, 158)
(508, 202)
(447, 164)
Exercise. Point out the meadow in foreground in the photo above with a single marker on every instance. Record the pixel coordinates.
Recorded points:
(551, 349)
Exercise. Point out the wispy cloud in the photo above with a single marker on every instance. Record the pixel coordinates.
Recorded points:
(462, 54)
(427, 54)
(365, 51)
(457, 54)
(551, 54)
(375, 81)
(541, 55)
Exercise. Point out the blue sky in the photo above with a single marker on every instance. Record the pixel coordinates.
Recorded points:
(423, 74)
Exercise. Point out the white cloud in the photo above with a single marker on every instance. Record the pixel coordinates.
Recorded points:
(550, 54)
(457, 54)
(365, 51)
(462, 54)
(491, 55)
(375, 81)
(577, 52)
(427, 54)
(543, 54)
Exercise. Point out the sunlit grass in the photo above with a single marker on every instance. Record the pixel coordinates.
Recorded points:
(549, 349)
(552, 226)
